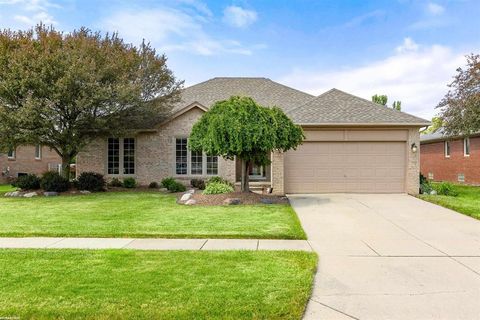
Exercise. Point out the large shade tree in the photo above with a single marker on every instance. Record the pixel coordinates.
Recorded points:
(460, 108)
(62, 90)
(241, 128)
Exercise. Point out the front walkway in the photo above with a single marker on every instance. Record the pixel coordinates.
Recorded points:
(154, 244)
(390, 256)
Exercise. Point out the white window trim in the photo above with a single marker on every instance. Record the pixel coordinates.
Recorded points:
(447, 143)
(120, 159)
(39, 152)
(13, 156)
(465, 142)
(189, 162)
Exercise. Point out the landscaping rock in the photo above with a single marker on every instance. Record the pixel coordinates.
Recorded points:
(14, 194)
(190, 202)
(50, 194)
(30, 195)
(266, 201)
(186, 197)
(85, 192)
(232, 201)
(191, 191)
(165, 190)
(433, 192)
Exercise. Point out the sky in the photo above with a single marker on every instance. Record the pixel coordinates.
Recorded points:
(406, 49)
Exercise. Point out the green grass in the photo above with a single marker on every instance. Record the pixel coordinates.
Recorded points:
(127, 284)
(143, 214)
(467, 201)
(6, 188)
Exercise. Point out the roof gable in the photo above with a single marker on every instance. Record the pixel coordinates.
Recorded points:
(338, 107)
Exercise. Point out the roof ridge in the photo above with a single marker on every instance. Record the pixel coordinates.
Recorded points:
(315, 98)
(290, 88)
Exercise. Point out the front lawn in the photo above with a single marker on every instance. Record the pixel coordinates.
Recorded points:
(6, 188)
(143, 214)
(467, 201)
(128, 284)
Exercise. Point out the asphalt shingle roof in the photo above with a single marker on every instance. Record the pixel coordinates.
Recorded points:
(331, 107)
(264, 91)
(338, 107)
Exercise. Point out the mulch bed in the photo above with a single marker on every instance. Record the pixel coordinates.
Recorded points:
(245, 198)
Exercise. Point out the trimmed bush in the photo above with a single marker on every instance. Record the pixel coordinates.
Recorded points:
(153, 185)
(167, 181)
(91, 181)
(217, 179)
(217, 188)
(53, 182)
(446, 189)
(27, 182)
(129, 183)
(116, 183)
(198, 183)
(176, 187)
(425, 186)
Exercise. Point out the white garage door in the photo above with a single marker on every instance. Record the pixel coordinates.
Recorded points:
(366, 167)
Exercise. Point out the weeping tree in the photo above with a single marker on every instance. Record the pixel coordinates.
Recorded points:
(63, 90)
(241, 128)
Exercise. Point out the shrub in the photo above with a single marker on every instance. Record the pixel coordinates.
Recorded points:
(153, 185)
(27, 182)
(176, 187)
(53, 182)
(74, 184)
(446, 189)
(129, 183)
(115, 183)
(198, 183)
(217, 179)
(91, 181)
(217, 188)
(425, 186)
(167, 181)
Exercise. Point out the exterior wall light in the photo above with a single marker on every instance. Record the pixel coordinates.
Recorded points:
(414, 148)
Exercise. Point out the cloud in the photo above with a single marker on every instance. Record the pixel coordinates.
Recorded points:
(172, 29)
(238, 17)
(359, 20)
(435, 9)
(31, 12)
(414, 74)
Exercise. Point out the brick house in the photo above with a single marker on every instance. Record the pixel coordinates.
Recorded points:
(28, 159)
(454, 159)
(352, 144)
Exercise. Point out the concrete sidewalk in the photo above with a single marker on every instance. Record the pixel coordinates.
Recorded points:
(154, 244)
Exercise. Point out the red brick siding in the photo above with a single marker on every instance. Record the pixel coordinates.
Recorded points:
(432, 159)
(25, 161)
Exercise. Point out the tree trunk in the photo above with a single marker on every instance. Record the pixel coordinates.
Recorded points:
(245, 187)
(66, 167)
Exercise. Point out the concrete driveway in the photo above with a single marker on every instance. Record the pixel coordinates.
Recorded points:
(390, 257)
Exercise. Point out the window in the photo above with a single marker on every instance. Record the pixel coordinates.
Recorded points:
(430, 176)
(181, 154)
(11, 154)
(466, 147)
(113, 156)
(461, 177)
(38, 152)
(193, 162)
(129, 156)
(212, 165)
(196, 162)
(256, 171)
(447, 149)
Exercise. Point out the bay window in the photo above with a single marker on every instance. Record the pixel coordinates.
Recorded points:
(193, 162)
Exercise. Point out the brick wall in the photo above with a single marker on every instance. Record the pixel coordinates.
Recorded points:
(433, 160)
(154, 154)
(25, 162)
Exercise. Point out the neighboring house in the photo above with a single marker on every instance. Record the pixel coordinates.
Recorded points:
(352, 144)
(28, 159)
(455, 159)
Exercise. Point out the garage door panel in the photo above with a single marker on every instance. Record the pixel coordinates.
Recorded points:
(318, 167)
